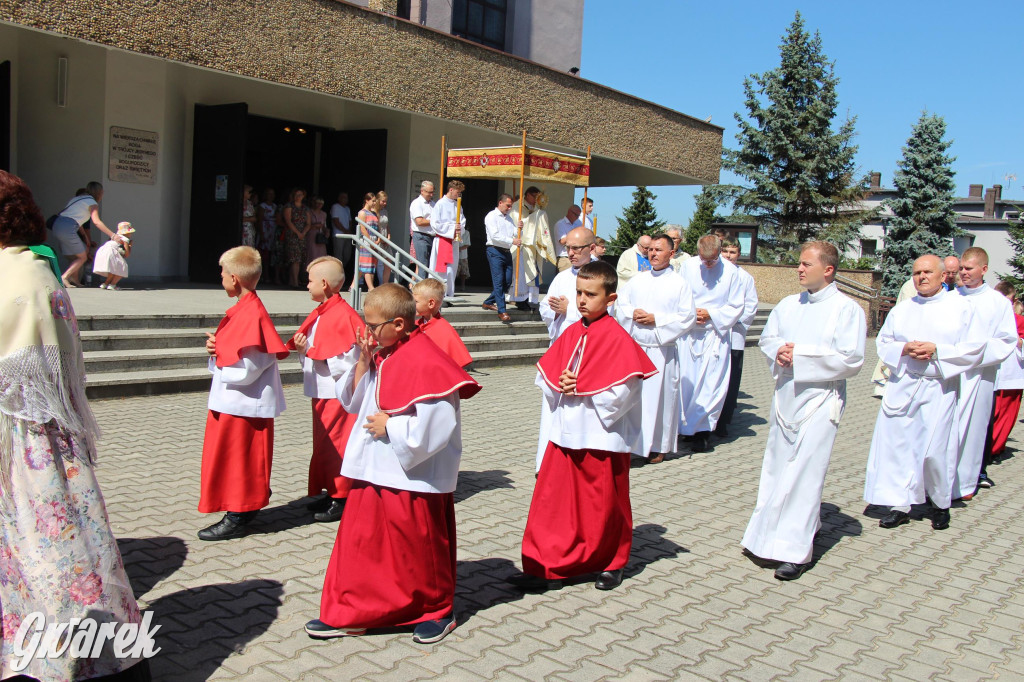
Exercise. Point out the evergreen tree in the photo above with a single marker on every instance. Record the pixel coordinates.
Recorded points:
(638, 219)
(800, 173)
(1015, 234)
(700, 222)
(923, 217)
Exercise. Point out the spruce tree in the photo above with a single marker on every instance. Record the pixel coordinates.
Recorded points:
(638, 219)
(800, 173)
(1015, 235)
(923, 218)
(700, 222)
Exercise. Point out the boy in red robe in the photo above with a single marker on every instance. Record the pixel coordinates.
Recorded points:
(393, 562)
(580, 517)
(322, 341)
(245, 397)
(429, 296)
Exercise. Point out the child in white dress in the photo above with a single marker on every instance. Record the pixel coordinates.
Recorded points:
(110, 258)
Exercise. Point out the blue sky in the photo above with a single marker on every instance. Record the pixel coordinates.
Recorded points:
(960, 60)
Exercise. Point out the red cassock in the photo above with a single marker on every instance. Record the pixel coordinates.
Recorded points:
(1006, 406)
(238, 452)
(335, 335)
(580, 517)
(444, 335)
(393, 561)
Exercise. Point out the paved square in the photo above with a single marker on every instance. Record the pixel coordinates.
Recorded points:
(908, 604)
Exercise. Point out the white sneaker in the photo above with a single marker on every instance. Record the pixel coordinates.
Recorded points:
(103, 286)
(113, 287)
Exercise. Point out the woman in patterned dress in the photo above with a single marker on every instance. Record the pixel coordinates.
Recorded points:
(296, 221)
(248, 218)
(367, 261)
(58, 556)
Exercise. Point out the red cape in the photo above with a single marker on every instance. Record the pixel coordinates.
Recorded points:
(1019, 319)
(336, 333)
(416, 370)
(608, 356)
(247, 325)
(447, 339)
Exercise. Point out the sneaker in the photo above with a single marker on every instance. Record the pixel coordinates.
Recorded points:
(985, 482)
(317, 629)
(430, 631)
(113, 287)
(103, 286)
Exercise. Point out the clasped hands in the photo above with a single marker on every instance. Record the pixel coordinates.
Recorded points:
(919, 350)
(641, 316)
(560, 304)
(567, 382)
(703, 316)
(784, 358)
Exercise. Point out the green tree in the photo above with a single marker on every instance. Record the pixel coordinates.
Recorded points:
(799, 173)
(700, 222)
(1015, 234)
(639, 218)
(923, 219)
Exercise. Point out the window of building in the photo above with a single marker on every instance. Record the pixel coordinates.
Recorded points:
(868, 247)
(404, 9)
(482, 21)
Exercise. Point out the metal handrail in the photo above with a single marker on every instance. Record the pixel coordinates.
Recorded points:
(869, 292)
(391, 258)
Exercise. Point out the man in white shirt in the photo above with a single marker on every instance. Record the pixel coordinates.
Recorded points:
(562, 229)
(341, 223)
(588, 220)
(993, 317)
(419, 225)
(738, 335)
(814, 342)
(501, 237)
(656, 308)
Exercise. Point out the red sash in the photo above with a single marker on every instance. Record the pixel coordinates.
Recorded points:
(247, 325)
(445, 250)
(602, 354)
(414, 370)
(336, 333)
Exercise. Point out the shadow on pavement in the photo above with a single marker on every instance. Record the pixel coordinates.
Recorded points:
(282, 517)
(147, 561)
(201, 627)
(835, 525)
(473, 482)
(650, 545)
(480, 585)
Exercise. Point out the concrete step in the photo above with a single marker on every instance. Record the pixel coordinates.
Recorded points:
(130, 340)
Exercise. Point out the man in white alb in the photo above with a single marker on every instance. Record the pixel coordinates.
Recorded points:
(814, 342)
(656, 308)
(704, 351)
(444, 256)
(419, 225)
(927, 342)
(529, 256)
(633, 260)
(738, 335)
(993, 316)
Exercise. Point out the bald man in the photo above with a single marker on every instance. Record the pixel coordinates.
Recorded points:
(634, 260)
(951, 273)
(993, 318)
(562, 229)
(927, 343)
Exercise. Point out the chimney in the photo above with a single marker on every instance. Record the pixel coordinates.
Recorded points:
(876, 180)
(990, 202)
(999, 192)
(974, 192)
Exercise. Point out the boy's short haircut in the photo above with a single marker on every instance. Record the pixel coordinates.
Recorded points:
(335, 272)
(602, 272)
(392, 300)
(430, 287)
(243, 262)
(599, 241)
(457, 185)
(729, 243)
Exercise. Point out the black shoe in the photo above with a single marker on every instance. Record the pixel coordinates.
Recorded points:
(430, 631)
(608, 580)
(701, 441)
(320, 504)
(317, 629)
(525, 307)
(686, 439)
(531, 583)
(790, 571)
(940, 519)
(333, 512)
(722, 430)
(227, 528)
(893, 519)
(985, 482)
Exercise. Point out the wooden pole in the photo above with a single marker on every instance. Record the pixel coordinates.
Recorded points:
(444, 164)
(593, 225)
(519, 250)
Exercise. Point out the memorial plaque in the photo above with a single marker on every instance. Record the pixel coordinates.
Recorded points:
(133, 155)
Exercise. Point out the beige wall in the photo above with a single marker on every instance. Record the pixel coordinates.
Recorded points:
(775, 282)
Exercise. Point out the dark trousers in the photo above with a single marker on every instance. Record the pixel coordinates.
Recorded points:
(500, 261)
(424, 245)
(735, 373)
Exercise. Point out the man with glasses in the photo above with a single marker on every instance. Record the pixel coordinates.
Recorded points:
(676, 233)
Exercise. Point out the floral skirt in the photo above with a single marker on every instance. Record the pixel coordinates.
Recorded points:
(294, 249)
(57, 553)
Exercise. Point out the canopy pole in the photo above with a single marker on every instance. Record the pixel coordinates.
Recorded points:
(519, 249)
(593, 226)
(444, 163)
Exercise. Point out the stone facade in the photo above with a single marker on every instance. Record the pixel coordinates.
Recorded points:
(345, 50)
(775, 282)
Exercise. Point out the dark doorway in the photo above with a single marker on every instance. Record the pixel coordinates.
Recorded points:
(5, 116)
(218, 170)
(354, 162)
(479, 199)
(281, 155)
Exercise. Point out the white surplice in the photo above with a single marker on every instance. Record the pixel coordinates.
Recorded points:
(667, 295)
(320, 376)
(564, 284)
(913, 449)
(442, 222)
(609, 420)
(738, 335)
(993, 314)
(704, 351)
(828, 331)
